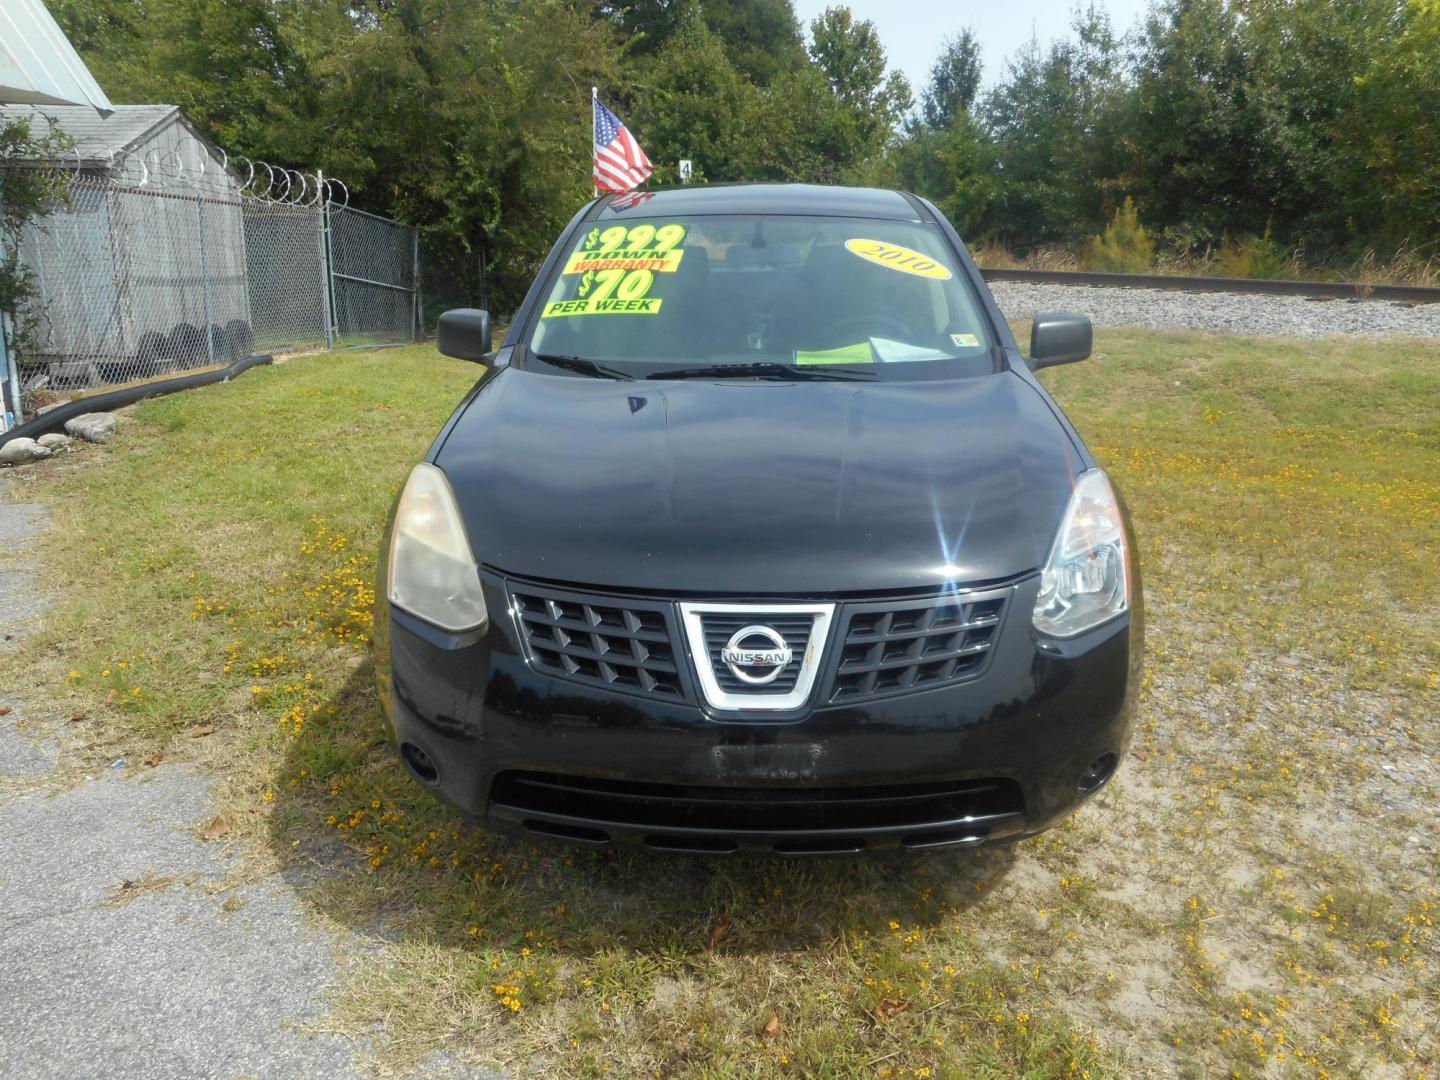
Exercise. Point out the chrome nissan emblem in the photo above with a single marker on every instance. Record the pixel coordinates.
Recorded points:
(756, 665)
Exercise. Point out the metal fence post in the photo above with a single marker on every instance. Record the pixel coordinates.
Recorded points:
(327, 271)
(205, 284)
(11, 411)
(418, 322)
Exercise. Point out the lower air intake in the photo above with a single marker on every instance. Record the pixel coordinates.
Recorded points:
(791, 820)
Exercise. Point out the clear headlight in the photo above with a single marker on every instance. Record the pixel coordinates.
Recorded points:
(432, 570)
(1086, 579)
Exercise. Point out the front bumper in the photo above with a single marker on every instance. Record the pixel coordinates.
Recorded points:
(1002, 755)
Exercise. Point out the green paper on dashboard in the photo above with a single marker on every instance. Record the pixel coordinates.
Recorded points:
(846, 354)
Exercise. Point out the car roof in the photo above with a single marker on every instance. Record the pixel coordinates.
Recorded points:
(813, 199)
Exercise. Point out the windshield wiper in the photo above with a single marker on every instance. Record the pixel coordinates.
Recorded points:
(760, 370)
(585, 366)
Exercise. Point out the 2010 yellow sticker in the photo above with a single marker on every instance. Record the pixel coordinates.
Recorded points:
(904, 259)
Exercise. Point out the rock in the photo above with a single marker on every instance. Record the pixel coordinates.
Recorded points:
(92, 426)
(54, 441)
(20, 451)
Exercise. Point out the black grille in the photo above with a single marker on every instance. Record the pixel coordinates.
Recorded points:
(790, 820)
(892, 648)
(720, 625)
(625, 645)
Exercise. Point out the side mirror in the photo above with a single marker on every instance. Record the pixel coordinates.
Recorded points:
(464, 333)
(1059, 337)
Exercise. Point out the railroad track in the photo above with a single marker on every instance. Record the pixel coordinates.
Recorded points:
(1310, 290)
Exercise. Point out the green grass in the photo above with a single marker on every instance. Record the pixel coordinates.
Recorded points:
(1245, 899)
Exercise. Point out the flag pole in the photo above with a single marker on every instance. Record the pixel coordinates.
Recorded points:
(594, 97)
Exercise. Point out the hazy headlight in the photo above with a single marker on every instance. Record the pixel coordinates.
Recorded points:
(1086, 579)
(432, 570)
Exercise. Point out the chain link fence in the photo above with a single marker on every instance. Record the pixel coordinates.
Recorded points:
(286, 283)
(375, 270)
(451, 276)
(133, 282)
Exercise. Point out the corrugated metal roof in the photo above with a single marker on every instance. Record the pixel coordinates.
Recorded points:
(38, 64)
(96, 137)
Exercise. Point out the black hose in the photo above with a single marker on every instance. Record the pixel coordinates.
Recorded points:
(54, 419)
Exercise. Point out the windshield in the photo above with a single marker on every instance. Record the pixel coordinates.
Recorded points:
(734, 295)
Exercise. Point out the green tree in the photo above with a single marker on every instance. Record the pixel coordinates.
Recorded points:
(227, 63)
(1356, 86)
(1388, 135)
(696, 106)
(1212, 148)
(472, 119)
(945, 154)
(954, 167)
(761, 38)
(871, 99)
(100, 29)
(1056, 121)
(802, 133)
(954, 81)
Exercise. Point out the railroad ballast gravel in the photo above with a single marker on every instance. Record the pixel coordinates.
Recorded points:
(1162, 309)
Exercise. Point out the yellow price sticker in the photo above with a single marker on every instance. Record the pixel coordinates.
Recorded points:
(612, 305)
(895, 257)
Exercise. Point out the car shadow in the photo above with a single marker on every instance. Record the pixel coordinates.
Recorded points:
(389, 859)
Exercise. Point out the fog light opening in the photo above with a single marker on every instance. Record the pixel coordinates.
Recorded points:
(1097, 772)
(419, 763)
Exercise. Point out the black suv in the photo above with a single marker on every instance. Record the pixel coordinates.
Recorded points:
(759, 534)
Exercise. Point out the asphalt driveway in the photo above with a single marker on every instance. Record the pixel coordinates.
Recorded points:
(122, 951)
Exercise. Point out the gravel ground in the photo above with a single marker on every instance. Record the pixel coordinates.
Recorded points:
(1158, 309)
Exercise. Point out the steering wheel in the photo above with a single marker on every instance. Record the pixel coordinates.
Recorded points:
(848, 328)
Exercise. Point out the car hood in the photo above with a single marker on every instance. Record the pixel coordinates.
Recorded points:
(750, 488)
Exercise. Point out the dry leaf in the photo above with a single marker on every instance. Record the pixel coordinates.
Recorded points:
(130, 889)
(889, 1007)
(112, 697)
(79, 718)
(155, 759)
(721, 929)
(773, 1027)
(199, 731)
(5, 710)
(216, 829)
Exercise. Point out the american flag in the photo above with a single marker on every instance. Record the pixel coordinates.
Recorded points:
(620, 164)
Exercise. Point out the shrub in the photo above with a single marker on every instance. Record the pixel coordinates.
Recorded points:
(1124, 247)
(1252, 257)
(1410, 265)
(991, 251)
